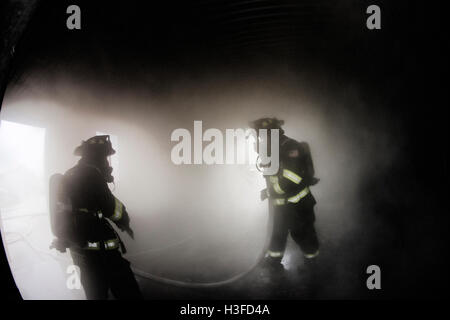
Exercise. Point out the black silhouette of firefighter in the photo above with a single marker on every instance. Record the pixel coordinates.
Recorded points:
(290, 199)
(81, 209)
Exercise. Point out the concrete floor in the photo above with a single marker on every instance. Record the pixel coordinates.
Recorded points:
(41, 273)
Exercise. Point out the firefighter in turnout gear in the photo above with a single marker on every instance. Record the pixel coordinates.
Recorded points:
(290, 199)
(81, 208)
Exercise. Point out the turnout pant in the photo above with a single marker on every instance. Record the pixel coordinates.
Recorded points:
(299, 221)
(105, 270)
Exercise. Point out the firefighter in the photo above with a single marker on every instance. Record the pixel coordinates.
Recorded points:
(82, 206)
(290, 199)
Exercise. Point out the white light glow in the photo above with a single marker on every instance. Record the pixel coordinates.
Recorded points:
(22, 186)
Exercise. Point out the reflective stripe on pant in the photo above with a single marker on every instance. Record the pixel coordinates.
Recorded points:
(275, 254)
(311, 255)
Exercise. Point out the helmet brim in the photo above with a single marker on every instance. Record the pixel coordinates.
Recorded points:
(81, 151)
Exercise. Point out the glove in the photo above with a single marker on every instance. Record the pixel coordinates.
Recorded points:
(264, 194)
(59, 245)
(124, 222)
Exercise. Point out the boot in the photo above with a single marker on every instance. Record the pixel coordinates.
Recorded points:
(272, 277)
(272, 271)
(308, 276)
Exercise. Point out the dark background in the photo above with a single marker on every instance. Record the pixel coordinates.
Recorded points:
(400, 67)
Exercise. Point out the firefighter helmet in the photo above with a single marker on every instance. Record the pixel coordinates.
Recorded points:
(267, 123)
(100, 145)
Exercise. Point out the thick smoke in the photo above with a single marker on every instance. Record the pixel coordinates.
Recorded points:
(199, 222)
